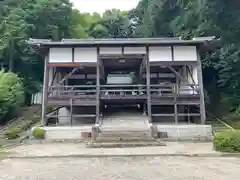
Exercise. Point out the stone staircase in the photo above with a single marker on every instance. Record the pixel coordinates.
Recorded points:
(124, 131)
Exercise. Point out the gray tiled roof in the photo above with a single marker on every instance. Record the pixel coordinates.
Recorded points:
(120, 41)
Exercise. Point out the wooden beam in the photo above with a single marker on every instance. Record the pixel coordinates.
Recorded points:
(73, 55)
(45, 90)
(172, 115)
(142, 66)
(64, 79)
(149, 106)
(68, 75)
(180, 77)
(161, 75)
(169, 63)
(175, 103)
(176, 73)
(71, 64)
(122, 56)
(54, 77)
(172, 53)
(201, 89)
(188, 69)
(77, 116)
(98, 87)
(71, 111)
(102, 70)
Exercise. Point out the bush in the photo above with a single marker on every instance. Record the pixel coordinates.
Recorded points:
(11, 92)
(228, 141)
(12, 134)
(39, 133)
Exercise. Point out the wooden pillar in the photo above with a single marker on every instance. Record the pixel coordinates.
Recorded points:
(98, 87)
(201, 89)
(175, 113)
(185, 74)
(175, 101)
(45, 90)
(149, 106)
(71, 111)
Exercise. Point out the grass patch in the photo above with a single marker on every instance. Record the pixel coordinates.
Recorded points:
(233, 120)
(235, 124)
(29, 117)
(15, 131)
(12, 134)
(227, 141)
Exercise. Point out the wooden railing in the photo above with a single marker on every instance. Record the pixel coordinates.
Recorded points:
(73, 91)
(124, 90)
(174, 89)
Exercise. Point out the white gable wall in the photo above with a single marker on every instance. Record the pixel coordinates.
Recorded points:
(60, 55)
(85, 55)
(134, 50)
(110, 50)
(185, 53)
(160, 53)
(156, 53)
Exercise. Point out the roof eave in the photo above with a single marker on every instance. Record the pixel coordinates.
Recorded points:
(46, 43)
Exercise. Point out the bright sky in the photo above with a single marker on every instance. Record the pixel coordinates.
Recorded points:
(100, 6)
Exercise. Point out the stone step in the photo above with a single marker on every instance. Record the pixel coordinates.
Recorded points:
(124, 144)
(124, 133)
(101, 138)
(119, 134)
(123, 129)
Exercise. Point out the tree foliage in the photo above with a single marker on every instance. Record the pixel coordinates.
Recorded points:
(11, 92)
(23, 19)
(113, 24)
(191, 18)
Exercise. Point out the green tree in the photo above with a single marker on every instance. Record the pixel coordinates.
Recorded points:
(11, 93)
(191, 18)
(23, 19)
(113, 24)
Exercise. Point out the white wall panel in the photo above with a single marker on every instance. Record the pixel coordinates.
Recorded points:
(111, 50)
(85, 55)
(134, 50)
(60, 55)
(185, 53)
(162, 53)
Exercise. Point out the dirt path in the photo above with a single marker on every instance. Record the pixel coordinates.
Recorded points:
(137, 168)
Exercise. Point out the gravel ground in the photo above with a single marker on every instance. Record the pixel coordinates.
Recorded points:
(68, 149)
(135, 168)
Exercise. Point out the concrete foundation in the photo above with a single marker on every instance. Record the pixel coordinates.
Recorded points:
(173, 132)
(66, 133)
(186, 132)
